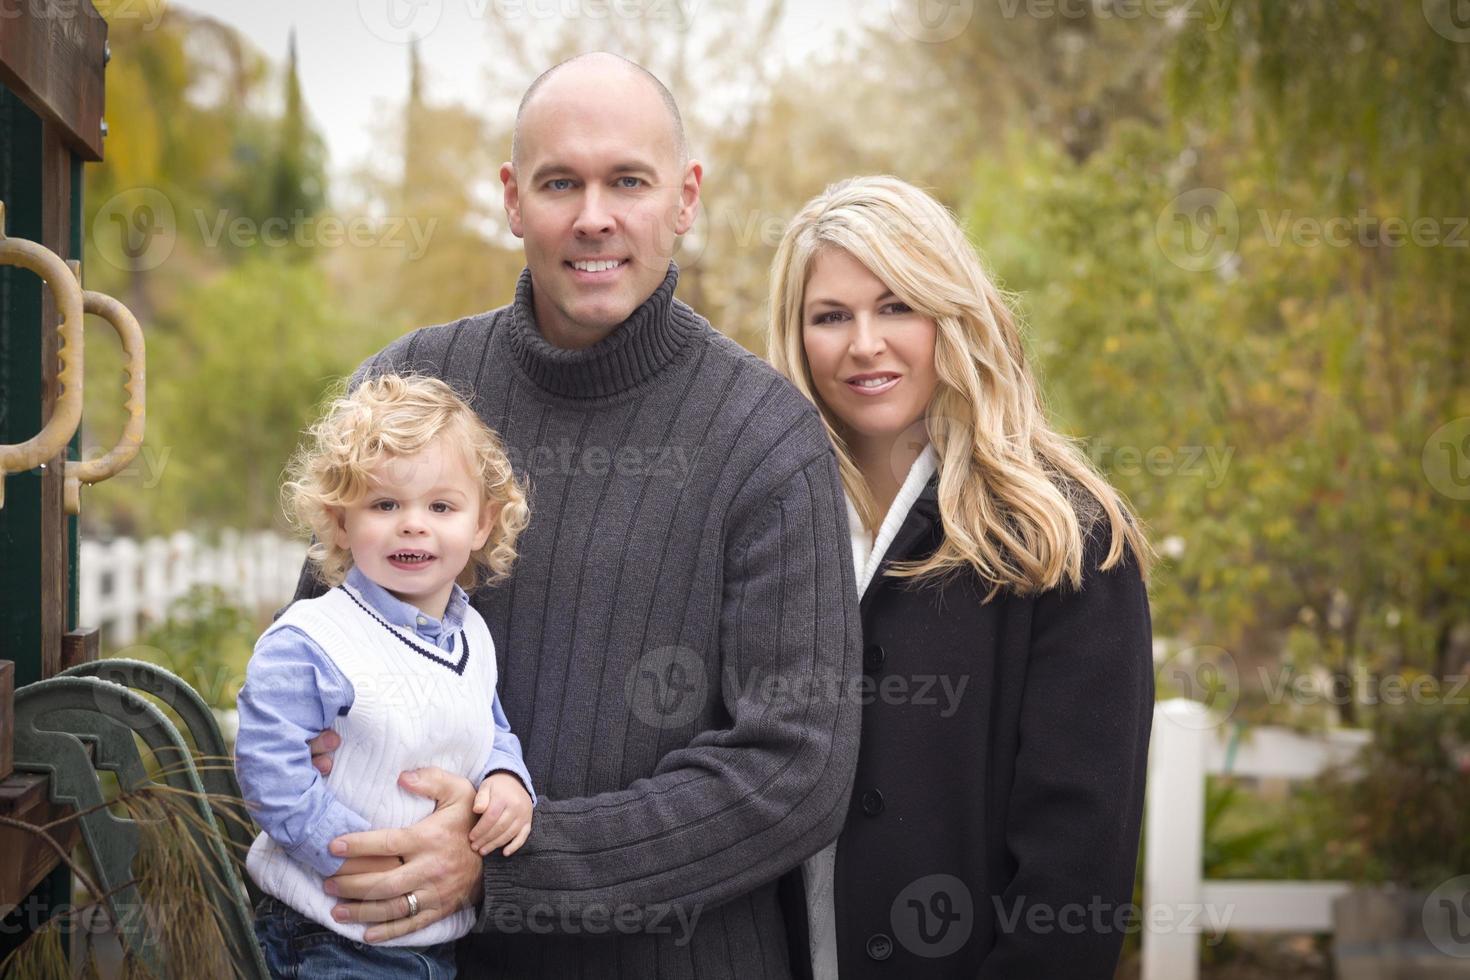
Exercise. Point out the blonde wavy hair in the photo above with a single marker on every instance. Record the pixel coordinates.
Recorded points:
(392, 416)
(1016, 498)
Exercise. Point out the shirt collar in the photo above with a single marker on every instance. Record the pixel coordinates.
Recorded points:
(406, 614)
(869, 550)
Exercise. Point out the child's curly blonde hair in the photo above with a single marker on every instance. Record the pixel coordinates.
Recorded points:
(391, 416)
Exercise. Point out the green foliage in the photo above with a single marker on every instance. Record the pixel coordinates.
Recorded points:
(206, 640)
(1404, 813)
(1309, 372)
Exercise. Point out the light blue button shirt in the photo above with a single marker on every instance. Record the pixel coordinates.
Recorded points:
(292, 693)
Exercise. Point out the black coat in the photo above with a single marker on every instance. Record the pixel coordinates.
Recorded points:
(994, 824)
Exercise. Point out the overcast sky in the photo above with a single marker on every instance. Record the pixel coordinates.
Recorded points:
(354, 58)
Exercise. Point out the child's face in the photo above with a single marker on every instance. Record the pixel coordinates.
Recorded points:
(414, 531)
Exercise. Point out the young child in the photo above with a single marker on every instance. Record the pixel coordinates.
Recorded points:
(410, 498)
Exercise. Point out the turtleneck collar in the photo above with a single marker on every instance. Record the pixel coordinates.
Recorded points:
(636, 350)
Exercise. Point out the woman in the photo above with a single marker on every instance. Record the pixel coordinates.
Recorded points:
(1008, 686)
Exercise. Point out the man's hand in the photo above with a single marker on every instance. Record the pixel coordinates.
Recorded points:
(505, 809)
(439, 868)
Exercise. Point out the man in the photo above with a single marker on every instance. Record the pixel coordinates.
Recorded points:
(681, 620)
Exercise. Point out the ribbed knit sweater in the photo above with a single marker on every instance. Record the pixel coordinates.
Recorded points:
(676, 645)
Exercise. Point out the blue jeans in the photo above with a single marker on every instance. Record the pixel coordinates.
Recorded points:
(295, 946)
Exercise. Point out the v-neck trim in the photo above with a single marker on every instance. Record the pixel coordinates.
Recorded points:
(414, 645)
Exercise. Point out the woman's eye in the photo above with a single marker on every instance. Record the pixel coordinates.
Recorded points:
(831, 316)
(898, 308)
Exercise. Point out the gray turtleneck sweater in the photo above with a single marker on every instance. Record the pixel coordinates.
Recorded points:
(678, 644)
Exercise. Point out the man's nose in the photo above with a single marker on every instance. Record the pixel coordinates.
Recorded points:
(594, 218)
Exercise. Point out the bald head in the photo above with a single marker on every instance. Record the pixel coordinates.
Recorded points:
(592, 68)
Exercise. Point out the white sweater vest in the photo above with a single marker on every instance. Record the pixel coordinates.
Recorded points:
(413, 705)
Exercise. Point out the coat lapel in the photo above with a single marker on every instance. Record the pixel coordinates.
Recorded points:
(913, 534)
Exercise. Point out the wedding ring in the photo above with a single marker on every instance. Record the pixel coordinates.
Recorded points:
(413, 905)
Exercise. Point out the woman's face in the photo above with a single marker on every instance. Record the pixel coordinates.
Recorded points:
(871, 357)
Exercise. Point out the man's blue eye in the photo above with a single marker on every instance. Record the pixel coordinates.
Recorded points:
(559, 184)
(631, 182)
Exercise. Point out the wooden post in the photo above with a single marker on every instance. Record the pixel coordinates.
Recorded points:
(7, 718)
(80, 647)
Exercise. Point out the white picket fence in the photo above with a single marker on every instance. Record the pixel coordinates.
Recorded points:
(125, 584)
(1189, 744)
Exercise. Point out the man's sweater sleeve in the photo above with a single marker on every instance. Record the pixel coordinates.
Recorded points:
(739, 806)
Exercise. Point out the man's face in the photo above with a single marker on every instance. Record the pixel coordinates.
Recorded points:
(599, 198)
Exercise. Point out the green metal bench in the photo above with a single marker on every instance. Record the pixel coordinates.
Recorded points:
(73, 728)
(212, 757)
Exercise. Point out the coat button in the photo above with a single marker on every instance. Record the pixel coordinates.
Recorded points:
(880, 947)
(873, 657)
(873, 803)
